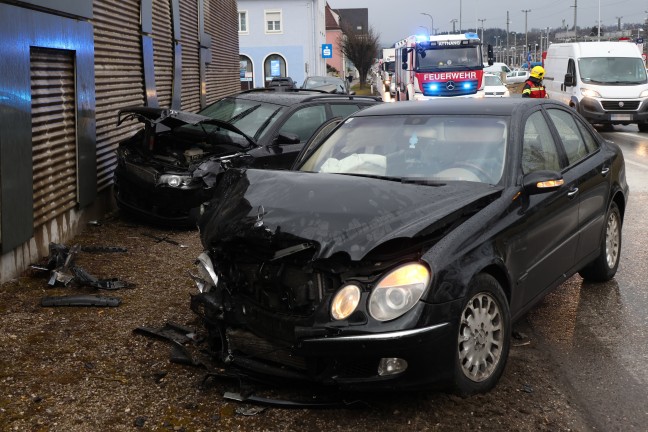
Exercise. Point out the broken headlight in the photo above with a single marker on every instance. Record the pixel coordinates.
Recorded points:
(175, 180)
(207, 277)
(345, 302)
(398, 291)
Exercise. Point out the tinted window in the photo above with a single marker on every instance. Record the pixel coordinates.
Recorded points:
(569, 135)
(538, 147)
(304, 121)
(343, 110)
(590, 141)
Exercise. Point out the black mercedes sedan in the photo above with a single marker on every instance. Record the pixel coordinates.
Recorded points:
(402, 246)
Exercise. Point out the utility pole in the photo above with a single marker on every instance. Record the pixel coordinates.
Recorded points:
(453, 21)
(526, 31)
(618, 23)
(508, 21)
(575, 28)
(460, 16)
(482, 26)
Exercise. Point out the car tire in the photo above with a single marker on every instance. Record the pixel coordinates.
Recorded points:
(604, 267)
(483, 337)
(643, 127)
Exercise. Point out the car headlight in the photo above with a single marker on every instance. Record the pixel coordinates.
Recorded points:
(175, 180)
(345, 302)
(507, 93)
(398, 291)
(207, 277)
(590, 93)
(644, 94)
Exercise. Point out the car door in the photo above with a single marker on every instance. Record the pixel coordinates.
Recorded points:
(301, 122)
(544, 243)
(591, 168)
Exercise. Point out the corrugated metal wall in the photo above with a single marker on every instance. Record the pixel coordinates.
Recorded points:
(222, 74)
(163, 50)
(118, 76)
(190, 55)
(54, 153)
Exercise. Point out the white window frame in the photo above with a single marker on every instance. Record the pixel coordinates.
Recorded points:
(265, 21)
(247, 22)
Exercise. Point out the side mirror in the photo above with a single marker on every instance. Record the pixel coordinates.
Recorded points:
(352, 93)
(404, 56)
(569, 80)
(542, 181)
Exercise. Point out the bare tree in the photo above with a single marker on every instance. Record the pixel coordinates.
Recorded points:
(361, 48)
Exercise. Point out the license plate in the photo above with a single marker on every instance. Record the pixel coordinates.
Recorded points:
(620, 117)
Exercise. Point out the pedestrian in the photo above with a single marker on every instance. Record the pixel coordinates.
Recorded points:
(533, 87)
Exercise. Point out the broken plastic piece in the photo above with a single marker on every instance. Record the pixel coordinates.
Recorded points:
(80, 300)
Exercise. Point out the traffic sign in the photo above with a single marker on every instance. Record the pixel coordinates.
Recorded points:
(327, 50)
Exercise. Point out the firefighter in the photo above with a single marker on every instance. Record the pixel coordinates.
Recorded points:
(533, 87)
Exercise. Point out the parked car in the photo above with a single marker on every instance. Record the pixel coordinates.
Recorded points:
(285, 82)
(402, 246)
(517, 76)
(168, 169)
(337, 85)
(494, 87)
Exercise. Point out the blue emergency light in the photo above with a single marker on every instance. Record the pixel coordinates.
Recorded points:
(467, 86)
(472, 35)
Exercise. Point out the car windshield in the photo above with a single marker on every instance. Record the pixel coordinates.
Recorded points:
(315, 82)
(416, 147)
(449, 58)
(612, 70)
(492, 80)
(251, 117)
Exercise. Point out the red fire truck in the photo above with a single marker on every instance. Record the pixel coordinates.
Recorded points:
(439, 66)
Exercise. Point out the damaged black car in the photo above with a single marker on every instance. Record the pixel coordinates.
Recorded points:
(169, 168)
(402, 247)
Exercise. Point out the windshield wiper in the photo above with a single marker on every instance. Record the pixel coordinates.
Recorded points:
(405, 180)
(243, 113)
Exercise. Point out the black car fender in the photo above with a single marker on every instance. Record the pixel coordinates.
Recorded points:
(468, 250)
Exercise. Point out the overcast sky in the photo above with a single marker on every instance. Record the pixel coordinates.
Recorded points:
(397, 19)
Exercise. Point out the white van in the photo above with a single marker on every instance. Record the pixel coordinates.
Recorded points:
(604, 81)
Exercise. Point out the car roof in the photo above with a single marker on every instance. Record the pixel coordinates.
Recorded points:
(456, 106)
(297, 96)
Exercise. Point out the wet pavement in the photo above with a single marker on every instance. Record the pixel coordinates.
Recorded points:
(598, 333)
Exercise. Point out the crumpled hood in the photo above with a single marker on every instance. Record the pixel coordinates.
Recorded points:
(340, 213)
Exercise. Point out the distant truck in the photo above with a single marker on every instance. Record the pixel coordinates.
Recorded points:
(387, 67)
(604, 81)
(439, 66)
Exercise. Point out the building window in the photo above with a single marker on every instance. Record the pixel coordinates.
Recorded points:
(273, 21)
(243, 22)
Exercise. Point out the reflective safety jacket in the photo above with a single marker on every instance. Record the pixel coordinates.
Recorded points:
(533, 90)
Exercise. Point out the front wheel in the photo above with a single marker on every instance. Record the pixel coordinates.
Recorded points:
(484, 337)
(604, 267)
(643, 127)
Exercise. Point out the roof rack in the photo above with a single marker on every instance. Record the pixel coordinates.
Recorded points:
(323, 94)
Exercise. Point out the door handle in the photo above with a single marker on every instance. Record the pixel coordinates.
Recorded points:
(572, 192)
(605, 171)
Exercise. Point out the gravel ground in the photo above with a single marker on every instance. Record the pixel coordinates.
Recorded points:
(83, 368)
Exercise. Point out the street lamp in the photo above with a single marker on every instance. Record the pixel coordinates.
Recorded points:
(432, 27)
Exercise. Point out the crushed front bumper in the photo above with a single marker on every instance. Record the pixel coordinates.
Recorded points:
(347, 359)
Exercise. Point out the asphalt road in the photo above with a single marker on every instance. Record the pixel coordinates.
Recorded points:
(598, 333)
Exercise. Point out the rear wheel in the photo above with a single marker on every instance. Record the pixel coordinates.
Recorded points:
(604, 267)
(484, 337)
